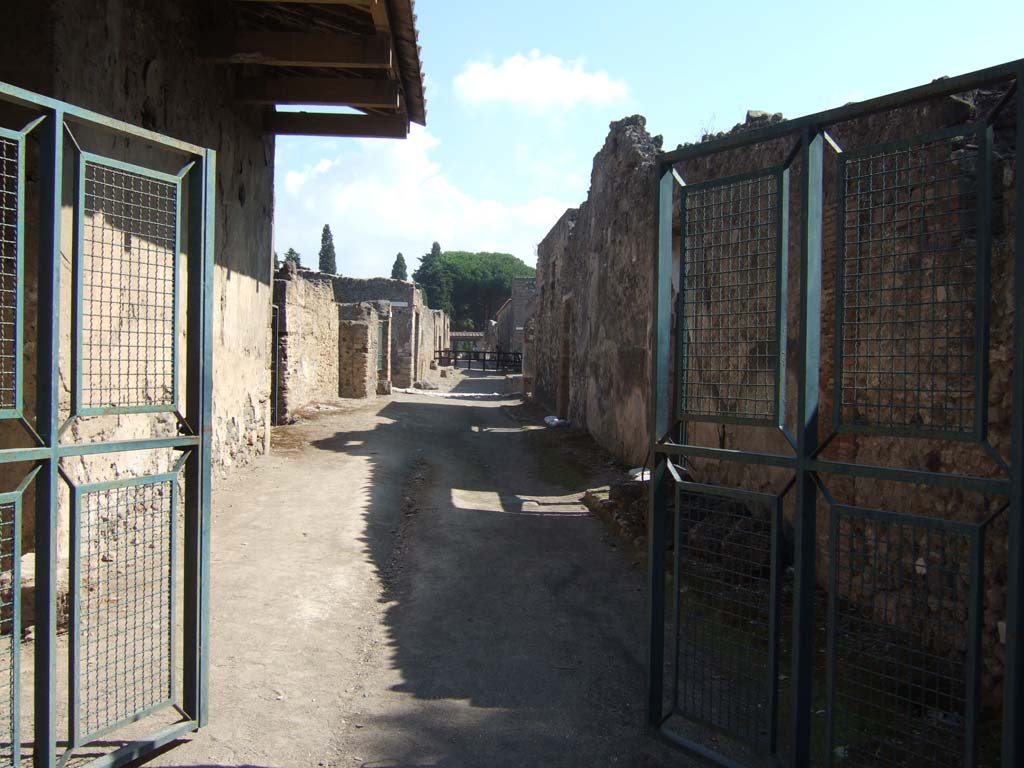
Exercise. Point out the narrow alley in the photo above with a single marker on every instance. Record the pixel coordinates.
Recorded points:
(434, 597)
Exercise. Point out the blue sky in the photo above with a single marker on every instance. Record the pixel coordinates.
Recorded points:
(520, 94)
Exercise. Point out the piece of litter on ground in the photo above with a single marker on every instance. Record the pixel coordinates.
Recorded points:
(554, 421)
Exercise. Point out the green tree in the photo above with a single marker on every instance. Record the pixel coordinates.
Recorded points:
(399, 271)
(327, 260)
(435, 280)
(277, 262)
(470, 287)
(292, 256)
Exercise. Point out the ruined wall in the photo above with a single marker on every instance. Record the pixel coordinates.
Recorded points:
(412, 333)
(415, 333)
(403, 338)
(554, 288)
(444, 330)
(308, 340)
(524, 306)
(429, 328)
(593, 295)
(352, 290)
(500, 330)
(529, 362)
(358, 332)
(382, 341)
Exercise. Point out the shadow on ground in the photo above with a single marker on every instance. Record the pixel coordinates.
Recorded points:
(504, 596)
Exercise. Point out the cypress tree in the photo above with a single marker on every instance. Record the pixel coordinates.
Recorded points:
(327, 260)
(399, 271)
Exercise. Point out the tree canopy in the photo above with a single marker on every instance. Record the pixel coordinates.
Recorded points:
(470, 287)
(293, 256)
(327, 259)
(399, 271)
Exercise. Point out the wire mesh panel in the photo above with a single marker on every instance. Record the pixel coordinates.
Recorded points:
(128, 305)
(725, 642)
(10, 202)
(901, 612)
(9, 634)
(730, 308)
(909, 359)
(124, 601)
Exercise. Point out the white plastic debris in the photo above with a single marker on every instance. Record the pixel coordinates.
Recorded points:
(554, 421)
(639, 473)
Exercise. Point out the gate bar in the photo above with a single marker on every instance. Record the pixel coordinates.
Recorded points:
(1013, 685)
(62, 111)
(199, 414)
(661, 333)
(48, 425)
(814, 122)
(805, 519)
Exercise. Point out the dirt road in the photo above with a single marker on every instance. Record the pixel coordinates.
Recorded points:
(410, 582)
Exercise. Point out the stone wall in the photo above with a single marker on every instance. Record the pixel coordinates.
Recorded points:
(309, 365)
(383, 346)
(352, 290)
(593, 294)
(524, 306)
(403, 349)
(501, 330)
(358, 334)
(308, 340)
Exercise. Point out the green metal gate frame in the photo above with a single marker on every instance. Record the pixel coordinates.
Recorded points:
(671, 444)
(50, 126)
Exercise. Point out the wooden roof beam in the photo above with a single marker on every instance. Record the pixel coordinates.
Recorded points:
(380, 15)
(298, 49)
(375, 8)
(355, 3)
(321, 124)
(364, 93)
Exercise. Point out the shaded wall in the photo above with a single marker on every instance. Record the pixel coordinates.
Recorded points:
(524, 306)
(137, 61)
(591, 356)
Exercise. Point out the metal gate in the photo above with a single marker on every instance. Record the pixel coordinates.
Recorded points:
(106, 256)
(836, 575)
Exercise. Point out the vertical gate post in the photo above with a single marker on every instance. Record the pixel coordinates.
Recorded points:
(1013, 685)
(805, 519)
(202, 194)
(661, 333)
(48, 426)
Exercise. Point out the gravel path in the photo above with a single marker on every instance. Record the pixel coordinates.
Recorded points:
(406, 582)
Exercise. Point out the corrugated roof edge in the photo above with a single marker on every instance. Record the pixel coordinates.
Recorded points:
(406, 38)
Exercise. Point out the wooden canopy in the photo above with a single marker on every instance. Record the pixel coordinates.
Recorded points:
(361, 54)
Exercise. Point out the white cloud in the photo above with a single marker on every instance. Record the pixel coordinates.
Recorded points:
(294, 181)
(382, 197)
(537, 81)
